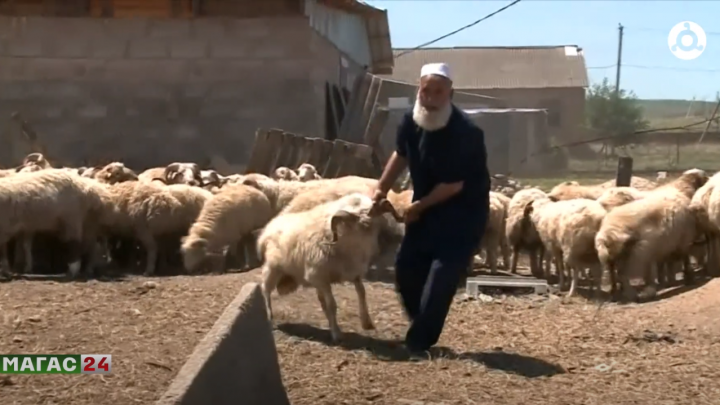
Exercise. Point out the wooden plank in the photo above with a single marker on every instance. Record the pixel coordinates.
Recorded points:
(357, 101)
(284, 151)
(304, 150)
(359, 129)
(337, 154)
(295, 144)
(624, 171)
(335, 119)
(259, 153)
(316, 152)
(327, 148)
(276, 143)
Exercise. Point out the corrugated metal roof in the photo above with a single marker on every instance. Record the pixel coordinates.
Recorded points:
(378, 32)
(499, 67)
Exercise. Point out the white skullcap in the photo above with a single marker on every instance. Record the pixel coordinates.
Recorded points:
(438, 69)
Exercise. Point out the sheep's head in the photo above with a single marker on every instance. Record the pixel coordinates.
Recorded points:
(211, 178)
(358, 211)
(183, 173)
(114, 173)
(695, 178)
(284, 173)
(36, 159)
(307, 172)
(194, 253)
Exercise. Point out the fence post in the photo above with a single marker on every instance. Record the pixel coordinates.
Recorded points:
(624, 171)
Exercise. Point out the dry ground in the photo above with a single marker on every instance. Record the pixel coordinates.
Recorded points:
(513, 350)
(150, 326)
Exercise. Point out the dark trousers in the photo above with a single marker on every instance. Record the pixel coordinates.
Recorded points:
(427, 272)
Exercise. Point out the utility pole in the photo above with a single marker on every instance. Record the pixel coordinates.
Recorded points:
(619, 59)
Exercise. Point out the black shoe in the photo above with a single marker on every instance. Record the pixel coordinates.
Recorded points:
(417, 355)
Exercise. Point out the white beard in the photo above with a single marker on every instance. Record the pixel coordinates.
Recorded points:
(431, 120)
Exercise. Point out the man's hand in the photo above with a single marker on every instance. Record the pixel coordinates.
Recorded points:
(413, 212)
(377, 195)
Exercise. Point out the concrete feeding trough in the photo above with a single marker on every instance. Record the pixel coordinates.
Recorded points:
(473, 284)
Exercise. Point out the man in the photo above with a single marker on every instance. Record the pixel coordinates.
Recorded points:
(445, 154)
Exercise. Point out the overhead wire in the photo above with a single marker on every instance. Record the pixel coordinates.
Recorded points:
(472, 24)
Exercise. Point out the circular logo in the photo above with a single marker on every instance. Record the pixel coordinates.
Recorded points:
(687, 40)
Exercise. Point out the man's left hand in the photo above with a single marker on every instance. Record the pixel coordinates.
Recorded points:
(413, 212)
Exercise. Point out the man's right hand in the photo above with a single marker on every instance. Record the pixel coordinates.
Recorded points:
(377, 195)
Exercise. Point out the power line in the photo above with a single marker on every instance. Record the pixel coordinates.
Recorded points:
(459, 29)
(665, 31)
(654, 67)
(552, 148)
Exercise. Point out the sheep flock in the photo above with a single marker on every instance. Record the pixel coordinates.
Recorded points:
(315, 232)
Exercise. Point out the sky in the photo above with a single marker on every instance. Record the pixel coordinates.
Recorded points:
(648, 67)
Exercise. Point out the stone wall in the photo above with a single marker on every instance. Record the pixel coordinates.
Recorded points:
(155, 91)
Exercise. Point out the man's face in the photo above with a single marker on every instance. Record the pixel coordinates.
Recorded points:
(435, 92)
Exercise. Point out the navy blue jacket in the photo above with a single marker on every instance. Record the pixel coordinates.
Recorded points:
(449, 155)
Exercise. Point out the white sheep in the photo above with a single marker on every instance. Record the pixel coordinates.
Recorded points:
(659, 227)
(494, 238)
(567, 229)
(617, 196)
(701, 203)
(520, 232)
(307, 172)
(285, 173)
(174, 173)
(232, 214)
(50, 200)
(146, 212)
(281, 193)
(331, 243)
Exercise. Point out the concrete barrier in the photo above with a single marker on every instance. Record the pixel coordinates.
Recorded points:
(235, 363)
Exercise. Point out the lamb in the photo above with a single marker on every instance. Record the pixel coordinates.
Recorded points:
(232, 214)
(637, 183)
(51, 200)
(146, 211)
(174, 173)
(281, 193)
(494, 237)
(284, 173)
(520, 232)
(617, 196)
(329, 244)
(567, 229)
(391, 232)
(570, 190)
(701, 203)
(112, 173)
(307, 172)
(657, 228)
(211, 178)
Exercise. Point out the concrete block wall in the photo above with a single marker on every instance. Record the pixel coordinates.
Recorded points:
(155, 91)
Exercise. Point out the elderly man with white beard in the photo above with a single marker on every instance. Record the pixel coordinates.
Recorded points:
(445, 154)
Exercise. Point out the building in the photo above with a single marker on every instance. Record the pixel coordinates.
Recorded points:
(156, 81)
(552, 78)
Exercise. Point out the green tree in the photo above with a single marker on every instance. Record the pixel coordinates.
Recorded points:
(613, 114)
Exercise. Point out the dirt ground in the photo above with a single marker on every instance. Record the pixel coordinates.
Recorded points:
(512, 350)
(149, 325)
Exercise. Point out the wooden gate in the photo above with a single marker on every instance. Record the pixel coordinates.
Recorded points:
(275, 148)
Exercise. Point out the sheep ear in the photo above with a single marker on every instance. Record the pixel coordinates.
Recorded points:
(528, 209)
(337, 218)
(251, 182)
(160, 179)
(553, 198)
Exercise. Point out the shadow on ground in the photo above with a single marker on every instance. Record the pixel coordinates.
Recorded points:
(393, 350)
